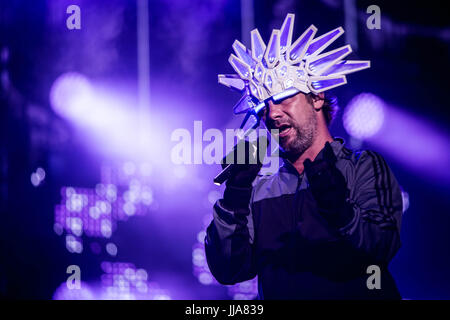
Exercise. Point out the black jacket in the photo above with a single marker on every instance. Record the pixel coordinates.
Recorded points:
(311, 236)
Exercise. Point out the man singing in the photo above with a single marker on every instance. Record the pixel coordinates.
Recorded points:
(330, 217)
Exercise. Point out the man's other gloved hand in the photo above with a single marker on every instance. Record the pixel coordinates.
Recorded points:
(322, 172)
(328, 186)
(248, 159)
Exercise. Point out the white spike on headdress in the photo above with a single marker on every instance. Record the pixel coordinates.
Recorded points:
(268, 70)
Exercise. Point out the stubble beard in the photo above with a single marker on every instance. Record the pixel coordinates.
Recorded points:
(303, 138)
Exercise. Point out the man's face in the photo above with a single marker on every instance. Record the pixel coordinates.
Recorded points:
(296, 121)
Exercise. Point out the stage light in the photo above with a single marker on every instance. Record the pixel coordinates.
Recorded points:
(364, 115)
(111, 192)
(413, 141)
(104, 207)
(106, 266)
(100, 189)
(129, 208)
(109, 117)
(200, 266)
(247, 290)
(405, 200)
(75, 202)
(111, 248)
(205, 278)
(131, 196)
(57, 227)
(141, 287)
(94, 212)
(64, 293)
(74, 244)
(147, 196)
(122, 281)
(130, 274)
(84, 212)
(198, 257)
(141, 274)
(67, 192)
(70, 95)
(201, 236)
(37, 177)
(213, 196)
(161, 296)
(40, 173)
(76, 226)
(106, 228)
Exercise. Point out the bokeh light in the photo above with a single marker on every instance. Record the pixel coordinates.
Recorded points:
(247, 290)
(85, 292)
(70, 94)
(364, 115)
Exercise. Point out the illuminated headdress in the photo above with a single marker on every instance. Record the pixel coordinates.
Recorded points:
(282, 68)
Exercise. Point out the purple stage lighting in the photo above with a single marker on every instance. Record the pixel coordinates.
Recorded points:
(123, 281)
(74, 244)
(94, 212)
(364, 116)
(120, 281)
(37, 177)
(246, 290)
(70, 95)
(413, 141)
(106, 115)
(200, 266)
(111, 248)
(63, 292)
(405, 200)
(83, 212)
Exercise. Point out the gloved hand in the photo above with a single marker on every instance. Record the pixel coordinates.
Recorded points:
(328, 187)
(248, 160)
(322, 173)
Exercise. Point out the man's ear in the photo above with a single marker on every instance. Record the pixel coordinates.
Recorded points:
(318, 100)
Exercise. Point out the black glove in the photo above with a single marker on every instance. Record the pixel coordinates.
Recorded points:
(248, 160)
(329, 187)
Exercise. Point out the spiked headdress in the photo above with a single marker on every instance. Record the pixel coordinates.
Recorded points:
(283, 68)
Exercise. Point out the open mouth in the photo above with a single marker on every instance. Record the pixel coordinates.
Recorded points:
(284, 130)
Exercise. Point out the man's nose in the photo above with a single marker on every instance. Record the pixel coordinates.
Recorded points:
(274, 111)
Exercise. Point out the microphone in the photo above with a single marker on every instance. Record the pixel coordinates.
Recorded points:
(251, 122)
